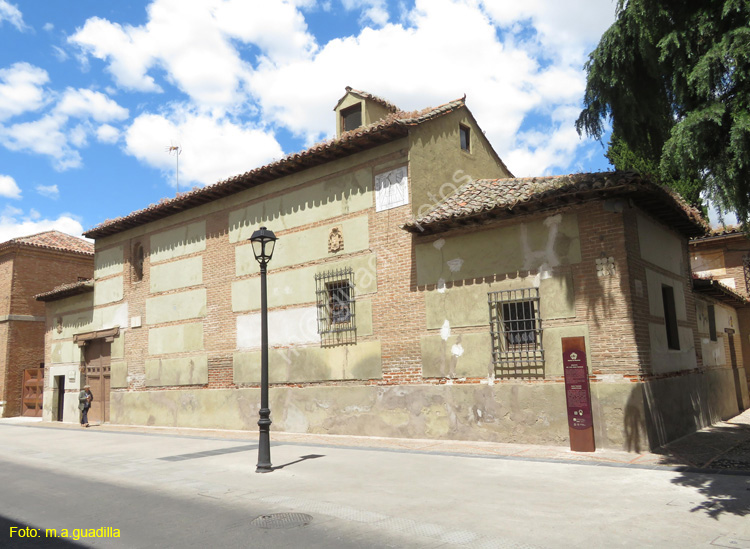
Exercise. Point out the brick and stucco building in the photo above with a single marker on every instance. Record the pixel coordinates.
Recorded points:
(28, 266)
(417, 290)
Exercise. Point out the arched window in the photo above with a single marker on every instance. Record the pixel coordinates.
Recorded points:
(137, 262)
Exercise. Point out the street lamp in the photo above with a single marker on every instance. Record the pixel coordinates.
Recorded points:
(263, 243)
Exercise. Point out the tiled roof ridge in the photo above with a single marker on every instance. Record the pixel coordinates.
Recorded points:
(480, 196)
(723, 231)
(64, 290)
(367, 95)
(392, 126)
(60, 241)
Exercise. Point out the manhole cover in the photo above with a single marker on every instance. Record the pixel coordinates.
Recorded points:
(279, 521)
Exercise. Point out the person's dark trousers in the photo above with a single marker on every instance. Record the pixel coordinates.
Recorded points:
(85, 416)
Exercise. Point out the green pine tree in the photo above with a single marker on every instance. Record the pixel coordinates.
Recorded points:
(673, 79)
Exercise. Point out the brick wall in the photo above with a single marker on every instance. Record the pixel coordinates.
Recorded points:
(30, 272)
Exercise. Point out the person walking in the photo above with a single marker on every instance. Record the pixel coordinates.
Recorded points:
(84, 403)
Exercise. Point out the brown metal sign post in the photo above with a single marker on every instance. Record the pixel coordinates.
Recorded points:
(578, 394)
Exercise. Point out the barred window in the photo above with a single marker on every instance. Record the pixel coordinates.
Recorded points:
(336, 312)
(746, 266)
(516, 327)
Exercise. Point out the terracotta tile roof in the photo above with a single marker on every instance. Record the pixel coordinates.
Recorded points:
(394, 126)
(54, 240)
(67, 290)
(726, 231)
(365, 95)
(719, 291)
(484, 200)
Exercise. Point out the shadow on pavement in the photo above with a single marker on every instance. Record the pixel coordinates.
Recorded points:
(301, 459)
(716, 462)
(39, 539)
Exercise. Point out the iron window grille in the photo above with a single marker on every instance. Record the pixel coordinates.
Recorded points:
(746, 266)
(516, 326)
(336, 307)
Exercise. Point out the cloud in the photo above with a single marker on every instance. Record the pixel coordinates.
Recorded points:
(44, 136)
(50, 191)
(195, 43)
(512, 83)
(52, 135)
(375, 11)
(8, 187)
(14, 223)
(566, 31)
(83, 103)
(213, 148)
(11, 14)
(21, 89)
(520, 66)
(107, 134)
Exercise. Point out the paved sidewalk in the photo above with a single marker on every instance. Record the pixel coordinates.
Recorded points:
(721, 448)
(165, 487)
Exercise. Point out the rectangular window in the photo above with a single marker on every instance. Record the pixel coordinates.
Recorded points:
(336, 312)
(746, 266)
(670, 317)
(516, 327)
(465, 136)
(351, 117)
(712, 322)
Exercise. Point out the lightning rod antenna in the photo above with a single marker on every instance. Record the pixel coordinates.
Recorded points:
(176, 149)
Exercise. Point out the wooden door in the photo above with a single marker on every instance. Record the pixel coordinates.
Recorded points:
(97, 376)
(33, 391)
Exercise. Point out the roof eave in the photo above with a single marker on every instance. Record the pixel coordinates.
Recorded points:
(720, 292)
(357, 142)
(648, 197)
(67, 291)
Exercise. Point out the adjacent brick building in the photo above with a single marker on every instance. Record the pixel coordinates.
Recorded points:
(721, 264)
(28, 266)
(409, 296)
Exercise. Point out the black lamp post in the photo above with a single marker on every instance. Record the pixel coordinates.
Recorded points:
(263, 243)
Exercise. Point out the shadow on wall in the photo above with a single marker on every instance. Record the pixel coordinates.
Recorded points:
(662, 411)
(335, 190)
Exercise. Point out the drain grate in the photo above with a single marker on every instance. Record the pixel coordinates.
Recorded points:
(280, 521)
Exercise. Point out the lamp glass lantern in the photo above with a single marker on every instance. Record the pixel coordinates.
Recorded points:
(263, 241)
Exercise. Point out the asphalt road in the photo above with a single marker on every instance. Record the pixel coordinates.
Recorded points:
(176, 491)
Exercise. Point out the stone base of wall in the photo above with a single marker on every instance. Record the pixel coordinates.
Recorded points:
(629, 416)
(514, 413)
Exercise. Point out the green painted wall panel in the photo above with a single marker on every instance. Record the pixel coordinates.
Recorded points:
(298, 286)
(552, 344)
(350, 192)
(466, 305)
(119, 375)
(64, 352)
(166, 372)
(176, 274)
(173, 307)
(461, 355)
(108, 262)
(179, 241)
(309, 364)
(175, 339)
(552, 242)
(108, 291)
(307, 246)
